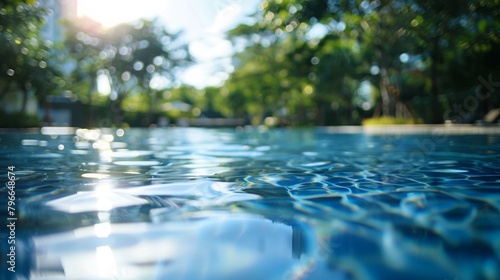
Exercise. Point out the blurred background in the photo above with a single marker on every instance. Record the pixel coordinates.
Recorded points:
(128, 63)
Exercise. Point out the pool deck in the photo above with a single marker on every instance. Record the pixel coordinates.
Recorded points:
(418, 129)
(368, 129)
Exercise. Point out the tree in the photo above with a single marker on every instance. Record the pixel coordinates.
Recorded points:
(140, 58)
(409, 48)
(363, 30)
(27, 63)
(457, 37)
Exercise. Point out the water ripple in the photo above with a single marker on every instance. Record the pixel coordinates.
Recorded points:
(276, 204)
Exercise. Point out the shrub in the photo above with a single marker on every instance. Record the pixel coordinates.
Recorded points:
(390, 120)
(18, 120)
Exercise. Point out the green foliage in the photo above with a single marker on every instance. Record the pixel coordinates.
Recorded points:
(311, 57)
(390, 120)
(26, 58)
(300, 62)
(135, 59)
(18, 120)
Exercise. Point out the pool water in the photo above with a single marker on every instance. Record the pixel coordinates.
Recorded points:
(187, 203)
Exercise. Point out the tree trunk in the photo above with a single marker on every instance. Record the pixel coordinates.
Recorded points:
(4, 90)
(321, 118)
(384, 82)
(46, 114)
(437, 116)
(384, 85)
(116, 108)
(300, 113)
(90, 120)
(151, 107)
(24, 90)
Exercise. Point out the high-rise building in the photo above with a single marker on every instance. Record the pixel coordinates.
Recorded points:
(58, 10)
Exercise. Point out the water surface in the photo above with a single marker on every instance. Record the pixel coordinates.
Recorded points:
(253, 203)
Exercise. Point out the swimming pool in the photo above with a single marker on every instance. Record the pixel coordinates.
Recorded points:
(188, 203)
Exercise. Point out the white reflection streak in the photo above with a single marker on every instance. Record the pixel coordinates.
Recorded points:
(103, 192)
(88, 134)
(62, 130)
(102, 230)
(95, 175)
(100, 141)
(105, 262)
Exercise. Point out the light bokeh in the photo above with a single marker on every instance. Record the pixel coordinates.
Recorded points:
(203, 24)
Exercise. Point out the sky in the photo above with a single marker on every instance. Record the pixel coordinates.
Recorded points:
(203, 21)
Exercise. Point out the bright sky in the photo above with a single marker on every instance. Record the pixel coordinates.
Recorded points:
(204, 22)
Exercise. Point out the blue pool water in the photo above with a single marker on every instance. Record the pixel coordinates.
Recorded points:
(252, 204)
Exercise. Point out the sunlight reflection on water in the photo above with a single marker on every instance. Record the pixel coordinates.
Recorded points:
(275, 204)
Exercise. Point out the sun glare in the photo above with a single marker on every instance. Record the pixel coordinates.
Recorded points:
(112, 12)
(202, 22)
